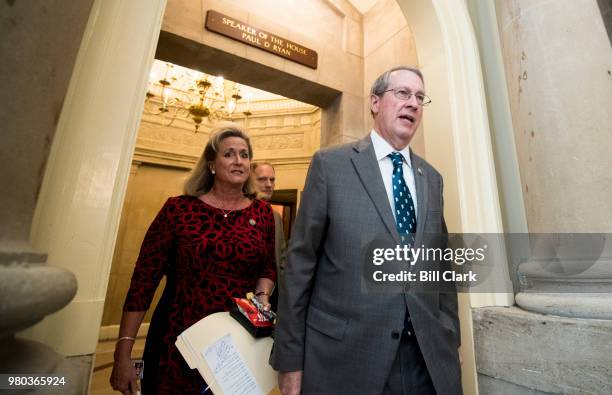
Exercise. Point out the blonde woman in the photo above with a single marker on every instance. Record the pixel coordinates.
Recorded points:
(213, 243)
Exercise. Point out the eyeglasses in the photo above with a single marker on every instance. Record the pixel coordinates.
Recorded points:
(405, 94)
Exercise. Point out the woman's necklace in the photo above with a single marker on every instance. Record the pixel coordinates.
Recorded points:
(220, 206)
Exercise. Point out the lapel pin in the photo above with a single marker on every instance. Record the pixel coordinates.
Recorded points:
(252, 222)
(419, 171)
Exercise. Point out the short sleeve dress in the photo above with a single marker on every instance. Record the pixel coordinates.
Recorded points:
(208, 257)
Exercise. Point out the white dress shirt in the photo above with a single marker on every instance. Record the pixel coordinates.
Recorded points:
(382, 148)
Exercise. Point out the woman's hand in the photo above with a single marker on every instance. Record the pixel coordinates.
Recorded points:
(123, 378)
(264, 299)
(263, 290)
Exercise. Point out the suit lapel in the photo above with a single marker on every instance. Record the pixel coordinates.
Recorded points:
(364, 160)
(420, 177)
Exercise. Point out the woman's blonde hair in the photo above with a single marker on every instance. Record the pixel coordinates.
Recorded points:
(201, 179)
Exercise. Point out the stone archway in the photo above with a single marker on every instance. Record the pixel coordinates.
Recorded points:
(458, 141)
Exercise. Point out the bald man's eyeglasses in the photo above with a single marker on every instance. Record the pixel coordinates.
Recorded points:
(405, 95)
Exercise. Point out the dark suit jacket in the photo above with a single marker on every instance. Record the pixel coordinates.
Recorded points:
(340, 335)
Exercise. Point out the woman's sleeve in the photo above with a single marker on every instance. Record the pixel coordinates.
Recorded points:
(153, 259)
(268, 264)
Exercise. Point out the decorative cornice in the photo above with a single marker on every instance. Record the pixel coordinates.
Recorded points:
(274, 107)
(278, 142)
(290, 137)
(162, 157)
(261, 120)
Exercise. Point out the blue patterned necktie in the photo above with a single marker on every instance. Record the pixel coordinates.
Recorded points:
(405, 216)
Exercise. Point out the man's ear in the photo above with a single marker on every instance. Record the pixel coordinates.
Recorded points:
(374, 103)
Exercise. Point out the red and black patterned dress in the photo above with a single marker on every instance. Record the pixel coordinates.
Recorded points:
(207, 259)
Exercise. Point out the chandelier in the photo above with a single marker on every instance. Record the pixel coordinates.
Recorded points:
(176, 92)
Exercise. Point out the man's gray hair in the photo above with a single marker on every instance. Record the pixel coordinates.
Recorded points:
(382, 82)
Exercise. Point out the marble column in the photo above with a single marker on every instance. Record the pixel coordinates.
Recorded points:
(81, 196)
(558, 64)
(34, 74)
(556, 67)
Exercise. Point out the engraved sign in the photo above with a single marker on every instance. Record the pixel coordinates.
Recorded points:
(245, 33)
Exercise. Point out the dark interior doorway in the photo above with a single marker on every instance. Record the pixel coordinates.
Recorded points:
(287, 199)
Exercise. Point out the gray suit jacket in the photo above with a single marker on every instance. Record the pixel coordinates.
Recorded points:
(280, 247)
(340, 335)
(280, 250)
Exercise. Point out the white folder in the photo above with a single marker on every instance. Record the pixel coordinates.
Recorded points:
(255, 352)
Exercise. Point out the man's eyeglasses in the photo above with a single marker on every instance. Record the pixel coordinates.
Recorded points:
(405, 94)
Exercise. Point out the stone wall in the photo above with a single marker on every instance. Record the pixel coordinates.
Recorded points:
(387, 42)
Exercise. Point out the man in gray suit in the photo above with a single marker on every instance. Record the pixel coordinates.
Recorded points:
(332, 336)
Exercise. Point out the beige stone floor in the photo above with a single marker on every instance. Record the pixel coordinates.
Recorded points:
(103, 365)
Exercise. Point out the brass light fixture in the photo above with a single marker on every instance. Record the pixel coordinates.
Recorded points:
(190, 94)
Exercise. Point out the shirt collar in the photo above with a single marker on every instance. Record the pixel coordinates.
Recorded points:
(382, 148)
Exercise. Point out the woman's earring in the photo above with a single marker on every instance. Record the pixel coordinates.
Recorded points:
(213, 171)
